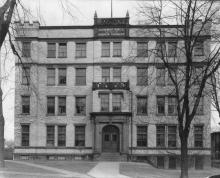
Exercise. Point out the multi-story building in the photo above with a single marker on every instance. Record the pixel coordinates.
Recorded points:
(82, 91)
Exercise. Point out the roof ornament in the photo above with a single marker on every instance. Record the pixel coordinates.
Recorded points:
(95, 15)
(127, 14)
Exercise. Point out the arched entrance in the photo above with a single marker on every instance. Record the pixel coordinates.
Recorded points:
(110, 139)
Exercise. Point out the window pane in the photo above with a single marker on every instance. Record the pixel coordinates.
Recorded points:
(142, 76)
(79, 135)
(62, 105)
(51, 50)
(172, 46)
(104, 102)
(161, 49)
(198, 136)
(160, 136)
(80, 76)
(160, 104)
(50, 135)
(142, 136)
(141, 105)
(25, 104)
(171, 136)
(62, 50)
(51, 105)
(116, 102)
(160, 76)
(142, 49)
(62, 76)
(80, 49)
(117, 49)
(116, 74)
(25, 135)
(172, 105)
(50, 76)
(61, 136)
(26, 49)
(199, 48)
(105, 49)
(26, 75)
(105, 74)
(81, 105)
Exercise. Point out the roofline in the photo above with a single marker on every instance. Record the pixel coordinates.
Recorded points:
(105, 26)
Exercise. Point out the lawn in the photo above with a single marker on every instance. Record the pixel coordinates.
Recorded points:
(145, 171)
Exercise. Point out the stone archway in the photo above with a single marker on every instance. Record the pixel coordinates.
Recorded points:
(110, 138)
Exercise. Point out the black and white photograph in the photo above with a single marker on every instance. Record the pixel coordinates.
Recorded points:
(109, 89)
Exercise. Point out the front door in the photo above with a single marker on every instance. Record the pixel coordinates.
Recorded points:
(110, 139)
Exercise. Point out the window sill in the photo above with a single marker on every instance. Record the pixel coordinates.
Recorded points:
(79, 57)
(80, 85)
(61, 85)
(51, 56)
(116, 56)
(62, 57)
(105, 56)
(50, 115)
(141, 114)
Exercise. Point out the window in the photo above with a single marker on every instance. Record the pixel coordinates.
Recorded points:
(198, 75)
(116, 74)
(200, 107)
(173, 72)
(81, 105)
(198, 136)
(51, 105)
(80, 50)
(160, 76)
(141, 105)
(26, 49)
(62, 76)
(105, 49)
(199, 48)
(172, 105)
(50, 135)
(172, 46)
(171, 136)
(81, 76)
(106, 74)
(79, 135)
(50, 76)
(160, 49)
(51, 50)
(142, 49)
(25, 131)
(62, 50)
(161, 105)
(62, 105)
(26, 75)
(198, 162)
(116, 102)
(25, 104)
(160, 135)
(142, 76)
(172, 162)
(116, 49)
(142, 136)
(160, 162)
(61, 135)
(104, 102)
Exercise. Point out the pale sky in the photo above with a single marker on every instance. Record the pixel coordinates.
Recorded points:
(69, 12)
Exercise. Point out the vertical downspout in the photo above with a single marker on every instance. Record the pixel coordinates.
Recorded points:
(131, 123)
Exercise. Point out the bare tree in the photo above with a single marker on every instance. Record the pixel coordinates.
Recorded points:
(190, 70)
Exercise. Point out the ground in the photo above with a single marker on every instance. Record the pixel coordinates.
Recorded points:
(84, 169)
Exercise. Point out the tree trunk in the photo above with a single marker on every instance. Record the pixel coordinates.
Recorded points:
(184, 157)
(2, 124)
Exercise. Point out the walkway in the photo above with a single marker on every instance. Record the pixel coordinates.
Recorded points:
(57, 172)
(106, 170)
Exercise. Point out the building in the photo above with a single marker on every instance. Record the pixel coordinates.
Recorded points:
(86, 90)
(215, 148)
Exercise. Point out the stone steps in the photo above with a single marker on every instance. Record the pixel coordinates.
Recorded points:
(112, 157)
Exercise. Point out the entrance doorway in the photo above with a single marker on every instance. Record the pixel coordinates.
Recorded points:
(110, 139)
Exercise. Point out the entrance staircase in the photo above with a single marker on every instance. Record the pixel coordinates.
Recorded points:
(112, 157)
